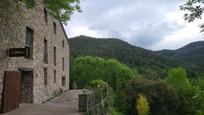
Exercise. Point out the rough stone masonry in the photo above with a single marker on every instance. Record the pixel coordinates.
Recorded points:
(46, 70)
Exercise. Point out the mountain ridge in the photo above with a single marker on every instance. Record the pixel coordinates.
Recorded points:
(133, 56)
(192, 53)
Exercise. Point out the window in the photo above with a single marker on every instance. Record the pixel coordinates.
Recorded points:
(45, 51)
(54, 76)
(55, 27)
(29, 41)
(55, 51)
(62, 43)
(45, 15)
(45, 76)
(62, 63)
(63, 81)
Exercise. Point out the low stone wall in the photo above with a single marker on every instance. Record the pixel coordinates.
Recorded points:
(94, 102)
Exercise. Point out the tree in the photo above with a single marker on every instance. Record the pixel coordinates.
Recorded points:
(177, 77)
(142, 105)
(199, 81)
(191, 97)
(194, 10)
(117, 75)
(60, 9)
(163, 99)
(85, 69)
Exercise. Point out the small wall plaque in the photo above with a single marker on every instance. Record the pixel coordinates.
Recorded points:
(19, 52)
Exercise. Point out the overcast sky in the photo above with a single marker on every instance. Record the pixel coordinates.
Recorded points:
(151, 24)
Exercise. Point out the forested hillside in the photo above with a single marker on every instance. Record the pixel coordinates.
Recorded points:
(165, 88)
(192, 54)
(135, 57)
(130, 94)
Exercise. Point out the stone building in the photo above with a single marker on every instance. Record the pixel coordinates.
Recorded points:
(34, 54)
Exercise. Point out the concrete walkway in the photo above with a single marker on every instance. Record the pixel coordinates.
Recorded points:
(66, 104)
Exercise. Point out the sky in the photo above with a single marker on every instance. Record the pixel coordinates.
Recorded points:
(150, 24)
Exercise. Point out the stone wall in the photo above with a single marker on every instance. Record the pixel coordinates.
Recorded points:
(94, 102)
(13, 21)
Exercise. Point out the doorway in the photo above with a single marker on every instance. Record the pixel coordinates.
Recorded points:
(26, 94)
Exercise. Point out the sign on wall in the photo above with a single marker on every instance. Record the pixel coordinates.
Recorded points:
(19, 52)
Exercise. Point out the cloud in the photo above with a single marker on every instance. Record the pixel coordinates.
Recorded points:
(153, 33)
(181, 37)
(148, 24)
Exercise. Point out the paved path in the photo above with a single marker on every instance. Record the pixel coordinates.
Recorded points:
(66, 104)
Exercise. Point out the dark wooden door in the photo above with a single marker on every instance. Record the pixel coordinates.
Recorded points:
(11, 91)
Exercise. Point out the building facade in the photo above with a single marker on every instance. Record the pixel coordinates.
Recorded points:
(44, 70)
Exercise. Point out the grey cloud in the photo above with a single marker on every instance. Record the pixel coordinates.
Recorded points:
(142, 34)
(140, 22)
(153, 33)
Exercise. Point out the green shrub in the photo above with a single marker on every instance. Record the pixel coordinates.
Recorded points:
(190, 97)
(98, 84)
(163, 99)
(142, 105)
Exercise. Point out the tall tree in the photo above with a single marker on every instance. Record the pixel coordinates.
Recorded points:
(194, 10)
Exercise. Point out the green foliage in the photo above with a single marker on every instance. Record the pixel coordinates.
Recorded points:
(191, 97)
(114, 112)
(98, 84)
(117, 75)
(173, 96)
(177, 77)
(133, 56)
(142, 105)
(202, 102)
(85, 69)
(111, 100)
(191, 54)
(199, 82)
(191, 100)
(162, 98)
(200, 85)
(60, 9)
(152, 75)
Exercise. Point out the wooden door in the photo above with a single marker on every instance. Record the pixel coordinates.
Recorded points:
(11, 91)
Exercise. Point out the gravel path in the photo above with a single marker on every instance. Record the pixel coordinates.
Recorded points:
(66, 104)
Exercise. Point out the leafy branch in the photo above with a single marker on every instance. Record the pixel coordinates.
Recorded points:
(60, 9)
(194, 10)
